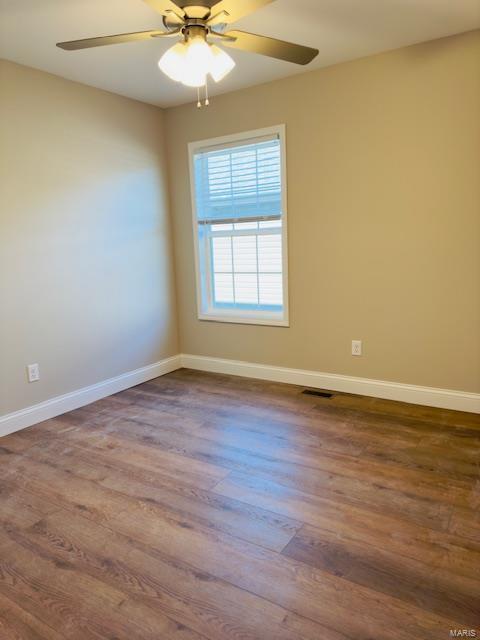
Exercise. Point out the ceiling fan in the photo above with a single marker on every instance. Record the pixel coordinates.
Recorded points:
(197, 22)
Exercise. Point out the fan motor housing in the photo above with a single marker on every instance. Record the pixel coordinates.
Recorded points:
(172, 22)
(195, 30)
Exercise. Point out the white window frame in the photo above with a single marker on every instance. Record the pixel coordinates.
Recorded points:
(257, 317)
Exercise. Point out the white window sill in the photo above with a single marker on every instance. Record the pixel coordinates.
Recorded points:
(267, 319)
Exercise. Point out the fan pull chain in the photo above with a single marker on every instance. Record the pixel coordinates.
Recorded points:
(207, 101)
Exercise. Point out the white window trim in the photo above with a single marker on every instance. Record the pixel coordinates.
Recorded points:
(254, 316)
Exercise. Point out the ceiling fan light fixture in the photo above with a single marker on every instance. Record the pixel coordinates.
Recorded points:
(191, 60)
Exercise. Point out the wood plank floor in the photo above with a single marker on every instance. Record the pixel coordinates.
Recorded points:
(200, 506)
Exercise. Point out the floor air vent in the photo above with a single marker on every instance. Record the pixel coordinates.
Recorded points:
(319, 394)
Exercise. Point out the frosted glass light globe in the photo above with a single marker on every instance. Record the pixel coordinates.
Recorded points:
(197, 63)
(172, 63)
(221, 64)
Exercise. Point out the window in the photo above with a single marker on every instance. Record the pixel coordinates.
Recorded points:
(240, 227)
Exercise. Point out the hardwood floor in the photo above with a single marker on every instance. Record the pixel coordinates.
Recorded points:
(201, 506)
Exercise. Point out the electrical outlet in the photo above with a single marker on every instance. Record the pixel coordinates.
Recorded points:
(356, 347)
(33, 371)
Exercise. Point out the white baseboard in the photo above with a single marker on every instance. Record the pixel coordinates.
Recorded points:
(61, 404)
(428, 396)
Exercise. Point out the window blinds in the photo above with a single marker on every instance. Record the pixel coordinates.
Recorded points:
(238, 182)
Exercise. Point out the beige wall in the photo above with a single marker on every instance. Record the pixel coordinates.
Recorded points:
(86, 286)
(384, 216)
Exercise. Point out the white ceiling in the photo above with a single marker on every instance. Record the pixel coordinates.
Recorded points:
(340, 29)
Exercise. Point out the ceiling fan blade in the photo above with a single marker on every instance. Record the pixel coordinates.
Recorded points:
(119, 38)
(227, 11)
(270, 47)
(165, 6)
